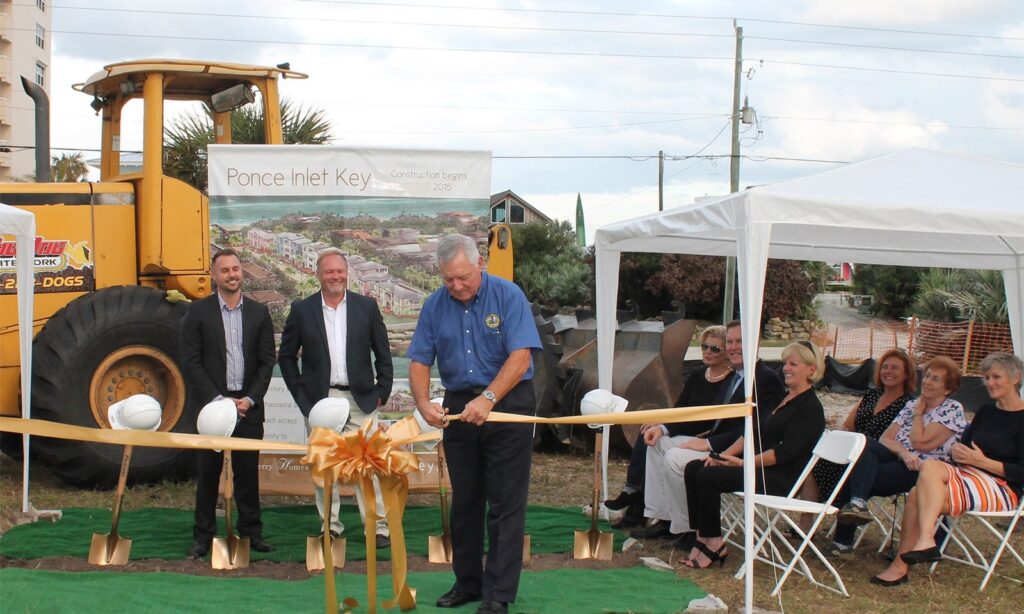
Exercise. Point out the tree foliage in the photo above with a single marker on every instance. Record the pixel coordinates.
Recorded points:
(950, 295)
(698, 282)
(893, 287)
(68, 167)
(187, 137)
(549, 266)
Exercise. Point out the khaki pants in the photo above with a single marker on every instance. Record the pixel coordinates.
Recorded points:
(355, 422)
(664, 489)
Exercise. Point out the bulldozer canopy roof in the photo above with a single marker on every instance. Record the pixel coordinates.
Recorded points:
(187, 79)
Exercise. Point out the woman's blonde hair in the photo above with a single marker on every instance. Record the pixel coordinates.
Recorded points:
(807, 354)
(717, 331)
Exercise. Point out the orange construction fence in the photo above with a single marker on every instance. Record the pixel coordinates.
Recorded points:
(965, 342)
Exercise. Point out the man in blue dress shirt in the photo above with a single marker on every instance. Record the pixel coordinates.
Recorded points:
(480, 330)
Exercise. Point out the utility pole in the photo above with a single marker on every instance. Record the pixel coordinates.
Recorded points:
(661, 181)
(734, 173)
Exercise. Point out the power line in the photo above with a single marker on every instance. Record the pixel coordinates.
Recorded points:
(323, 19)
(521, 130)
(389, 22)
(886, 123)
(887, 48)
(892, 71)
(664, 16)
(591, 54)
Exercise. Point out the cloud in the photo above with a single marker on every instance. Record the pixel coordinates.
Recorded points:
(887, 13)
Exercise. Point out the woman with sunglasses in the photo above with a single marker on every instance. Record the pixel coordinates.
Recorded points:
(700, 389)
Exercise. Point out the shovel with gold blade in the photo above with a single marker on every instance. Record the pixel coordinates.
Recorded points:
(111, 548)
(439, 547)
(594, 544)
(231, 552)
(322, 550)
(140, 412)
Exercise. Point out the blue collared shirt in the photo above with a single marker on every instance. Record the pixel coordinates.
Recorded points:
(472, 341)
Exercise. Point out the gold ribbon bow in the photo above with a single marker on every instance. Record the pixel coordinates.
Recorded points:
(358, 456)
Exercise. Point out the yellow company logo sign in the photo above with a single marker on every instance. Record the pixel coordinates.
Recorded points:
(48, 255)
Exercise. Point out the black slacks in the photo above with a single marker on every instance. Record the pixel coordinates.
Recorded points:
(489, 467)
(245, 466)
(706, 485)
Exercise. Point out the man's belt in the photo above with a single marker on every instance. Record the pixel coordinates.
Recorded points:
(341, 388)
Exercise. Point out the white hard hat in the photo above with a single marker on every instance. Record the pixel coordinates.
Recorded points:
(599, 401)
(218, 418)
(140, 412)
(330, 413)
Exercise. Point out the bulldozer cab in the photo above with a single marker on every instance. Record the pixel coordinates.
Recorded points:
(221, 86)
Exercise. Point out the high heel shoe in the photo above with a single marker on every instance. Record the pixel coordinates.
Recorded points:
(713, 556)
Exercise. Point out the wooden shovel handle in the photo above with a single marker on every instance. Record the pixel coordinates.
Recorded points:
(229, 492)
(122, 481)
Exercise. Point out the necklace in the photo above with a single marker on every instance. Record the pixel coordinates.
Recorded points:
(715, 379)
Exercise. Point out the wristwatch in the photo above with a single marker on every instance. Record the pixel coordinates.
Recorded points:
(487, 394)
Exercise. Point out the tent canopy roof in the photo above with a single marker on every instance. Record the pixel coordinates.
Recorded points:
(913, 207)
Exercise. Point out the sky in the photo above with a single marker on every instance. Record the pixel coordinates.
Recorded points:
(579, 97)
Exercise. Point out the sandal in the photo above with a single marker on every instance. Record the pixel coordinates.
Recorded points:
(713, 556)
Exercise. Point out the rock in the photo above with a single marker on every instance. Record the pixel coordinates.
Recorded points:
(707, 604)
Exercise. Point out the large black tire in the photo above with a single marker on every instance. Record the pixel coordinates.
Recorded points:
(98, 349)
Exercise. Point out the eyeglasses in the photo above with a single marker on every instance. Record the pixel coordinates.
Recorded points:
(714, 349)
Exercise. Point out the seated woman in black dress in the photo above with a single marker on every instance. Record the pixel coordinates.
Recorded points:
(787, 437)
(986, 475)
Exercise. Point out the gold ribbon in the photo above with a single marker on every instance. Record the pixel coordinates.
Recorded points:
(648, 416)
(358, 456)
(151, 439)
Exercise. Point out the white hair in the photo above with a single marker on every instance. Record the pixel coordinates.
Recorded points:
(452, 245)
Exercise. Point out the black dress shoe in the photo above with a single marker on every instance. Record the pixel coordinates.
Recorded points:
(624, 500)
(628, 521)
(887, 583)
(454, 598)
(257, 544)
(492, 607)
(652, 531)
(928, 555)
(684, 541)
(198, 549)
(383, 541)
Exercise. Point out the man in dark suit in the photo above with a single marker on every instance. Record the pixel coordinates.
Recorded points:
(228, 352)
(338, 333)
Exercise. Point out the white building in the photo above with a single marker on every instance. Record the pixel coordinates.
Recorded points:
(25, 43)
(310, 252)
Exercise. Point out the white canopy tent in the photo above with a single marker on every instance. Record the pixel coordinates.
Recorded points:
(909, 208)
(22, 225)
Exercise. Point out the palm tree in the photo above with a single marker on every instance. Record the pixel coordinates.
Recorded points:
(187, 137)
(68, 167)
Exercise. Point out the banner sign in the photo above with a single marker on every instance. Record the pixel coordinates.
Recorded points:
(279, 206)
(322, 170)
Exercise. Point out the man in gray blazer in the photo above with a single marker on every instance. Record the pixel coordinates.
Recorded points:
(344, 353)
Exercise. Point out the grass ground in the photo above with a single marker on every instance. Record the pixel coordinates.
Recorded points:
(563, 479)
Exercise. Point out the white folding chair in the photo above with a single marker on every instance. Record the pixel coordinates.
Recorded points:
(840, 447)
(972, 554)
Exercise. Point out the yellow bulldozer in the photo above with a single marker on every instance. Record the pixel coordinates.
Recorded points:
(109, 256)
